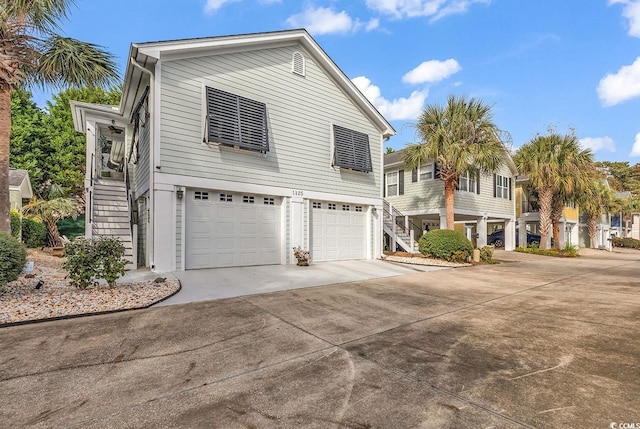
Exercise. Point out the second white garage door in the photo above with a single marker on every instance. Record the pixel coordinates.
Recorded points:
(338, 231)
(226, 229)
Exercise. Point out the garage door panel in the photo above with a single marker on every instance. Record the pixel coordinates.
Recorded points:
(231, 230)
(337, 234)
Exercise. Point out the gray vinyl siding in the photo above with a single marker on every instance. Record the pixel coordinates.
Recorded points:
(300, 112)
(142, 230)
(428, 195)
(142, 165)
(178, 235)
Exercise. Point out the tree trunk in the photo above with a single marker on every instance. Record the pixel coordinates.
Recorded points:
(5, 136)
(53, 235)
(449, 189)
(592, 223)
(556, 214)
(545, 200)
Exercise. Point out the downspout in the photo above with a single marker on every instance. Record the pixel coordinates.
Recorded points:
(150, 217)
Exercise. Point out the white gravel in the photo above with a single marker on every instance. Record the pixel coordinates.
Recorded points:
(20, 301)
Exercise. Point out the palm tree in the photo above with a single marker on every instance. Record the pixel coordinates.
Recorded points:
(595, 200)
(462, 138)
(555, 165)
(31, 52)
(51, 211)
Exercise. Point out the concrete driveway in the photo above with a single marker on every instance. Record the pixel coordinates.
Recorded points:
(531, 342)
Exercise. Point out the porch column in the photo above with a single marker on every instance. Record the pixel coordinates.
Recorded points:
(522, 233)
(510, 234)
(443, 221)
(481, 229)
(563, 234)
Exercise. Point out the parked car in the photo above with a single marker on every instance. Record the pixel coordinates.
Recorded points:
(497, 238)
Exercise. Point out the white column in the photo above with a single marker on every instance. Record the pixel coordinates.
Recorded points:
(297, 225)
(510, 234)
(563, 233)
(164, 231)
(443, 221)
(481, 229)
(522, 233)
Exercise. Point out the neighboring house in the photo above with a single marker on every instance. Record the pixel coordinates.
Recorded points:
(528, 214)
(415, 203)
(19, 188)
(230, 151)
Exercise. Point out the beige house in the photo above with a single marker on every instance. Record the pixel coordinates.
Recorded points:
(19, 188)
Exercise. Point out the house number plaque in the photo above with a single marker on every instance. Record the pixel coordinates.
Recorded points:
(298, 193)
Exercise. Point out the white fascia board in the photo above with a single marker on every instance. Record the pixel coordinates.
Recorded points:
(80, 111)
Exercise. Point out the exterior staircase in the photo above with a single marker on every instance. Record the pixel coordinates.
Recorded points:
(110, 216)
(400, 229)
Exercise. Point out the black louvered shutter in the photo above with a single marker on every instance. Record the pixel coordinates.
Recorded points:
(384, 185)
(401, 182)
(237, 121)
(414, 175)
(478, 184)
(495, 186)
(351, 149)
(436, 171)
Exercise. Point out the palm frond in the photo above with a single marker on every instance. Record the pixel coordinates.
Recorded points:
(66, 61)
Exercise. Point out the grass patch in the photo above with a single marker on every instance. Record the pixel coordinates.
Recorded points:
(568, 252)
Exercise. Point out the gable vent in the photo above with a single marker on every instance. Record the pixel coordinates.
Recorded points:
(298, 64)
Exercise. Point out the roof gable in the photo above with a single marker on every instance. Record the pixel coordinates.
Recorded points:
(19, 180)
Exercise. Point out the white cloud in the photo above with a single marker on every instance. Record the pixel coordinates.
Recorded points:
(631, 11)
(432, 71)
(621, 86)
(598, 143)
(435, 9)
(373, 24)
(398, 109)
(323, 20)
(213, 5)
(635, 151)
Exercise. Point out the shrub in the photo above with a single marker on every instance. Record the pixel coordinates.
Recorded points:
(549, 252)
(486, 254)
(12, 258)
(34, 233)
(16, 224)
(442, 243)
(89, 260)
(459, 256)
(631, 243)
(570, 250)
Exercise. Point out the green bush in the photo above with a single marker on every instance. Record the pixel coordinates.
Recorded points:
(486, 254)
(34, 233)
(443, 243)
(89, 260)
(631, 243)
(16, 224)
(549, 252)
(12, 258)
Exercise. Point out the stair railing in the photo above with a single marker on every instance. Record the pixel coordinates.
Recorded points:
(401, 222)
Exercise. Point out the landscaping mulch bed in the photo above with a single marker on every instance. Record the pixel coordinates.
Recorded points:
(20, 301)
(418, 259)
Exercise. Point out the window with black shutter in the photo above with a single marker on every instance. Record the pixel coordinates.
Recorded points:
(401, 182)
(351, 149)
(236, 121)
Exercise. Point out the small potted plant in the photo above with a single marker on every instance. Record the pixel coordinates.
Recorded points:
(302, 256)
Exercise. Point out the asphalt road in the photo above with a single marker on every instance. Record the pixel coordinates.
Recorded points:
(531, 342)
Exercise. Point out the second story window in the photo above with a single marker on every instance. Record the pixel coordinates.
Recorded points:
(426, 172)
(468, 183)
(502, 188)
(351, 149)
(392, 184)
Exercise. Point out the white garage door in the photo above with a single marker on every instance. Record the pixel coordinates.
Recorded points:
(338, 231)
(226, 229)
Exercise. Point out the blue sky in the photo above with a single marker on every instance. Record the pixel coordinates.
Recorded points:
(570, 64)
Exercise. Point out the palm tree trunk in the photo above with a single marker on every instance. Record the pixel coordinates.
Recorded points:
(53, 235)
(592, 222)
(449, 188)
(5, 136)
(545, 199)
(556, 214)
